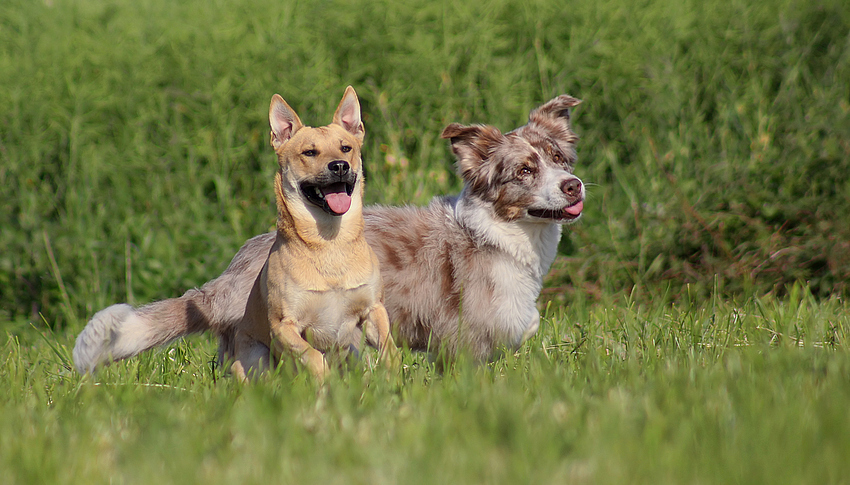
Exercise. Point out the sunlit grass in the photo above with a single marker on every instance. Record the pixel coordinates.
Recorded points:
(718, 392)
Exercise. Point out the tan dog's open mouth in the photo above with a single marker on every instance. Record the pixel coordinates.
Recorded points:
(335, 198)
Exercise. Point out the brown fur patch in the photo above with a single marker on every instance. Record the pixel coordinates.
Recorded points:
(473, 146)
(449, 282)
(391, 256)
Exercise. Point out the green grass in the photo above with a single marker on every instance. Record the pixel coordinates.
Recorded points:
(754, 391)
(134, 161)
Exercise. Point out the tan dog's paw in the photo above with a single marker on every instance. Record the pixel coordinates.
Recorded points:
(316, 364)
(390, 355)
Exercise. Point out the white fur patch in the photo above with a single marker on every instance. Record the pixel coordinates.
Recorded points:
(530, 243)
(530, 249)
(96, 343)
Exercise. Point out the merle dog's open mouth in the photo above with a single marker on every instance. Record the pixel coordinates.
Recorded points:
(335, 198)
(566, 214)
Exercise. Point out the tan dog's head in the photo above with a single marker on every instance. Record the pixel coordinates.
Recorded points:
(321, 171)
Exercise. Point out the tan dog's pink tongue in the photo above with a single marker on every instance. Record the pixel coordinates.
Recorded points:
(575, 210)
(337, 198)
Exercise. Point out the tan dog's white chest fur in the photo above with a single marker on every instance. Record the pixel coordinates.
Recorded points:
(320, 289)
(331, 306)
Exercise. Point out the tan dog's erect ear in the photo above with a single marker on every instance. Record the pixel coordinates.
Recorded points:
(557, 110)
(283, 120)
(472, 146)
(348, 114)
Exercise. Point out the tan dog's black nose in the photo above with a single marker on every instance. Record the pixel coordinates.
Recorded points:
(339, 168)
(572, 188)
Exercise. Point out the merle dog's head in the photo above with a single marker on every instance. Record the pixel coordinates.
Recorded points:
(526, 174)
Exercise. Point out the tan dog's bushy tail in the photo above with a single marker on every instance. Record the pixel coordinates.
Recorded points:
(121, 331)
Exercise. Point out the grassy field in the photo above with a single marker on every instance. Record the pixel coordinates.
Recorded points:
(696, 325)
(754, 391)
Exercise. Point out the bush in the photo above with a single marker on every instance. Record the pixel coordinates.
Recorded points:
(730, 147)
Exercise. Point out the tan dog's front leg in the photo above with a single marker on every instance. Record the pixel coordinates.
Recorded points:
(377, 329)
(287, 335)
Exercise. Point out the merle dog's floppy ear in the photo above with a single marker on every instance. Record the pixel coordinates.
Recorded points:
(555, 110)
(348, 114)
(472, 146)
(283, 120)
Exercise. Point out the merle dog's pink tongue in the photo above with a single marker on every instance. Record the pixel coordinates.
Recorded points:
(575, 210)
(337, 198)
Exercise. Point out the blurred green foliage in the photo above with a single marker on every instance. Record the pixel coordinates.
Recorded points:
(134, 156)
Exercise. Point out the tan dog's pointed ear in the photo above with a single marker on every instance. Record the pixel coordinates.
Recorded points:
(472, 146)
(557, 110)
(283, 120)
(348, 114)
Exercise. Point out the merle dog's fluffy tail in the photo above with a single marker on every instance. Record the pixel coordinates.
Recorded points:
(121, 331)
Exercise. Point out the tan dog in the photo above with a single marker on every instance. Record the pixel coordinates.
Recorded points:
(320, 288)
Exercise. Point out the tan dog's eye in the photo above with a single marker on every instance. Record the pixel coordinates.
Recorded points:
(346, 149)
(310, 153)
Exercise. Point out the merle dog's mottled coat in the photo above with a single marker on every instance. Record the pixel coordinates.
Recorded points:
(462, 273)
(465, 272)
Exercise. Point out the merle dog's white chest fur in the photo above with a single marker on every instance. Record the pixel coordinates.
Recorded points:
(524, 253)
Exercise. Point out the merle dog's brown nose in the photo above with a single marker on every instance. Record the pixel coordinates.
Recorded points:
(572, 188)
(339, 168)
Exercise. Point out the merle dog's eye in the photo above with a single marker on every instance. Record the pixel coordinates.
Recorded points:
(526, 170)
(345, 149)
(562, 160)
(310, 153)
